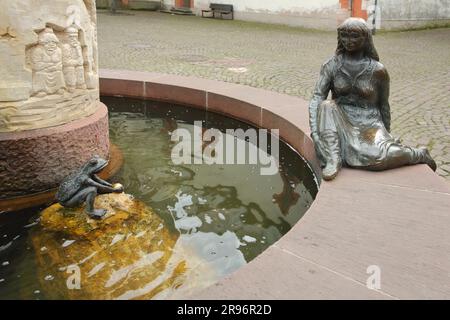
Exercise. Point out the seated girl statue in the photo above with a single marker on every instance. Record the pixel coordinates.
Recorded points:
(353, 127)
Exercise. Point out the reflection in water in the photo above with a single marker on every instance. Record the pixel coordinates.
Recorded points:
(288, 197)
(207, 220)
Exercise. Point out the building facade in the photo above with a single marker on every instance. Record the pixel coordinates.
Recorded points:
(324, 14)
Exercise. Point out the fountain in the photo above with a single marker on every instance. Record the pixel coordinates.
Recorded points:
(170, 229)
(187, 226)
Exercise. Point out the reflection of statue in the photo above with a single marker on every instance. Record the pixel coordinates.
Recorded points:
(353, 128)
(83, 186)
(288, 197)
(47, 65)
(73, 61)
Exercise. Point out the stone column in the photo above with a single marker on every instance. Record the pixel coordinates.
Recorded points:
(51, 118)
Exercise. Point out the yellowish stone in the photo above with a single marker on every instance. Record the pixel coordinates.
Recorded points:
(129, 253)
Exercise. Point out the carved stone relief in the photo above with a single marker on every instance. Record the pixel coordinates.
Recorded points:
(48, 56)
(73, 62)
(46, 62)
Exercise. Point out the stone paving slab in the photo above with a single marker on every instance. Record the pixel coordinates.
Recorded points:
(287, 60)
(355, 223)
(287, 276)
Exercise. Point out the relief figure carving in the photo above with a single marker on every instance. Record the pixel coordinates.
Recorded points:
(73, 62)
(50, 70)
(46, 62)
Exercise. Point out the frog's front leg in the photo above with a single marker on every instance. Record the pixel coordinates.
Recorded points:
(101, 181)
(101, 188)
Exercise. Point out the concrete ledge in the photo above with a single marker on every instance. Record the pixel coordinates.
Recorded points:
(397, 220)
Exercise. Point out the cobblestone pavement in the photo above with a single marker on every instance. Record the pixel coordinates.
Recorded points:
(287, 60)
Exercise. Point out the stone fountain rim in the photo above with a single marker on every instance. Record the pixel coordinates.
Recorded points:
(359, 220)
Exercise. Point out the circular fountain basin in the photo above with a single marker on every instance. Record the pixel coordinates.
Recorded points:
(360, 226)
(358, 223)
(187, 226)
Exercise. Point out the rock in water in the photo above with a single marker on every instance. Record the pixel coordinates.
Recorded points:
(129, 251)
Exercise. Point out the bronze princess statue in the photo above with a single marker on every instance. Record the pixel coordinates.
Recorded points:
(353, 127)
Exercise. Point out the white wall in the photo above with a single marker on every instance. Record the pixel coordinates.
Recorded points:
(415, 9)
(413, 13)
(307, 13)
(265, 5)
(326, 14)
(278, 6)
(169, 3)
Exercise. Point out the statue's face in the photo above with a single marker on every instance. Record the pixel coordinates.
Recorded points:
(353, 40)
(73, 40)
(50, 46)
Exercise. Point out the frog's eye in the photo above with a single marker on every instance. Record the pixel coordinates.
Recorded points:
(93, 161)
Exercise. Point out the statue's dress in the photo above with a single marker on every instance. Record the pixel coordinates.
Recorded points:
(356, 122)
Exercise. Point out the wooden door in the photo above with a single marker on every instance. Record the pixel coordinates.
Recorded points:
(184, 3)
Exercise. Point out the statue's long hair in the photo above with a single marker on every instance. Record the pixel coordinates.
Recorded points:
(360, 25)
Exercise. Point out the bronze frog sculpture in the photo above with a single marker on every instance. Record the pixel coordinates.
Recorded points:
(353, 128)
(84, 185)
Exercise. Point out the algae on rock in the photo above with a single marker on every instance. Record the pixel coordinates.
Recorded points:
(129, 250)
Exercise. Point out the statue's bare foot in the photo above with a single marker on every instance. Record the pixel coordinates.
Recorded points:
(97, 213)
